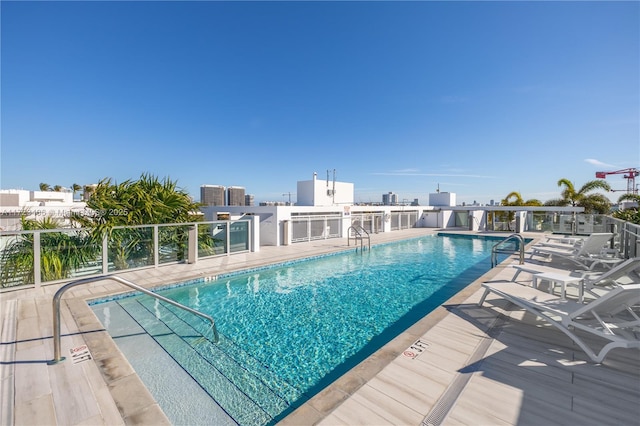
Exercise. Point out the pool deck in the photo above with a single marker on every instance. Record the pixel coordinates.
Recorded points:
(468, 365)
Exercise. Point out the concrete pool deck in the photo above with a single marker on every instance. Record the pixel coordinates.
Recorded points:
(468, 365)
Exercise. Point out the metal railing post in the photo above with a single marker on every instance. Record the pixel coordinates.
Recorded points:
(105, 253)
(37, 257)
(192, 244)
(156, 247)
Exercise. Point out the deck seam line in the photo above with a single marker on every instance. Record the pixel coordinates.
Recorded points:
(445, 403)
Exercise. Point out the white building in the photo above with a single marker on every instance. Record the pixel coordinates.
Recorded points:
(325, 209)
(390, 199)
(15, 203)
(317, 192)
(442, 199)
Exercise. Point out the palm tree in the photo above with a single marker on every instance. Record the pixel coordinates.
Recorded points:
(592, 203)
(629, 197)
(75, 188)
(631, 214)
(514, 199)
(146, 201)
(87, 190)
(57, 188)
(45, 187)
(518, 200)
(61, 253)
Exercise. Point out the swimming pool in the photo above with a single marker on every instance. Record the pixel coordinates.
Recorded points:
(287, 331)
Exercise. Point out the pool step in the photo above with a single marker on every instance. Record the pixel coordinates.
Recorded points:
(246, 398)
(230, 349)
(253, 377)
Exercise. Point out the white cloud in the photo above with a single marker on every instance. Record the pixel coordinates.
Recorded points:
(400, 173)
(598, 163)
(406, 171)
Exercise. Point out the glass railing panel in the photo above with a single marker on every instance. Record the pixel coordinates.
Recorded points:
(16, 260)
(173, 242)
(76, 252)
(563, 224)
(600, 223)
(130, 248)
(239, 236)
(503, 221)
(540, 222)
(212, 239)
(584, 224)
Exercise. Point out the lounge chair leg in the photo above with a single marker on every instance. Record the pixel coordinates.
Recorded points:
(484, 296)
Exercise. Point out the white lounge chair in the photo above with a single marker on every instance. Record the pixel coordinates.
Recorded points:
(562, 241)
(589, 253)
(627, 272)
(538, 268)
(613, 316)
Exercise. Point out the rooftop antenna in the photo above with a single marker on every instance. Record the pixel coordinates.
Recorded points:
(333, 192)
(438, 190)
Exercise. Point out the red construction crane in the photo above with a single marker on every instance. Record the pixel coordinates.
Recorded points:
(629, 174)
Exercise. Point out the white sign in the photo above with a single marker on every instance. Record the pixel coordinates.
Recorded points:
(79, 354)
(417, 348)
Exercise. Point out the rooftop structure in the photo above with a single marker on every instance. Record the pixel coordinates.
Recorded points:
(16, 203)
(441, 199)
(317, 192)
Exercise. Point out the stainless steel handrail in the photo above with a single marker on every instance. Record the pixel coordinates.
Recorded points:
(494, 249)
(56, 309)
(358, 235)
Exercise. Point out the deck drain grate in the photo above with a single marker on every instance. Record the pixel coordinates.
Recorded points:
(450, 396)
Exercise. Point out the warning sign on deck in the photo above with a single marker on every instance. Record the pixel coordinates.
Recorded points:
(417, 348)
(80, 354)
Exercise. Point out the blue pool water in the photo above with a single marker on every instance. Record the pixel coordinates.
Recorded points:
(288, 331)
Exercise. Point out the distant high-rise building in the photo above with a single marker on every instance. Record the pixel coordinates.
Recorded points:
(390, 199)
(212, 195)
(235, 196)
(248, 200)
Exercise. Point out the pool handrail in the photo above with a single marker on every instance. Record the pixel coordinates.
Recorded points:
(359, 234)
(495, 250)
(56, 309)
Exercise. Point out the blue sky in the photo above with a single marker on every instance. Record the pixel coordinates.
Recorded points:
(480, 98)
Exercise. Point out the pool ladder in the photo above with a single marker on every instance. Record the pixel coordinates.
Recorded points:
(359, 233)
(56, 309)
(496, 249)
